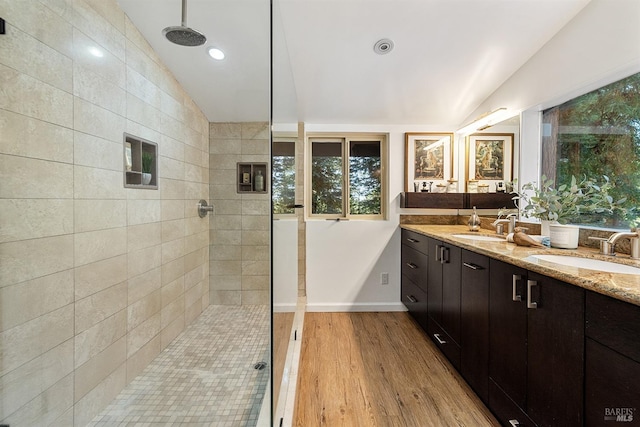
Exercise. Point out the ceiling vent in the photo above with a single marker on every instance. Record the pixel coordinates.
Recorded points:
(383, 46)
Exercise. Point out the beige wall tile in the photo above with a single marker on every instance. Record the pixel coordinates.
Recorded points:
(35, 337)
(225, 283)
(172, 311)
(228, 207)
(24, 178)
(93, 183)
(96, 89)
(110, 66)
(171, 168)
(97, 121)
(195, 276)
(225, 297)
(196, 241)
(255, 297)
(143, 236)
(29, 259)
(172, 209)
(172, 291)
(171, 189)
(255, 268)
(100, 275)
(143, 211)
(192, 312)
(218, 147)
(256, 222)
(256, 207)
(90, 374)
(172, 270)
(144, 284)
(172, 230)
(172, 250)
(256, 253)
(96, 152)
(196, 258)
(52, 407)
(23, 219)
(143, 309)
(98, 398)
(93, 215)
(255, 237)
(141, 359)
(255, 130)
(25, 136)
(225, 253)
(142, 88)
(115, 16)
(225, 130)
(256, 283)
(225, 268)
(171, 148)
(29, 55)
(99, 306)
(226, 237)
(142, 334)
(172, 331)
(26, 95)
(94, 340)
(256, 146)
(29, 300)
(20, 386)
(144, 260)
(94, 246)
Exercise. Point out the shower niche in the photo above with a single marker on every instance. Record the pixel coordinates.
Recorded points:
(252, 178)
(140, 163)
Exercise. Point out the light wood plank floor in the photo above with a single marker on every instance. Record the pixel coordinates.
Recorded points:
(379, 369)
(282, 323)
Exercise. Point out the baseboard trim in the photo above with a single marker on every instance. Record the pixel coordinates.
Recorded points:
(355, 307)
(284, 308)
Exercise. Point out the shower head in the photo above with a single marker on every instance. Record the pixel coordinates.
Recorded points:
(183, 35)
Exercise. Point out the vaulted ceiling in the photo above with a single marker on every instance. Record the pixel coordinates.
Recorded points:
(448, 56)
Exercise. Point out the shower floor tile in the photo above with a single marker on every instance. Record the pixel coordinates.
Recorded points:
(204, 378)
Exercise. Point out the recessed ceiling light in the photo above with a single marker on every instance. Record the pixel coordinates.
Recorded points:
(216, 53)
(383, 46)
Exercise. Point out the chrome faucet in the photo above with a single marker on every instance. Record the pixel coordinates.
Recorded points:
(608, 246)
(634, 240)
(510, 219)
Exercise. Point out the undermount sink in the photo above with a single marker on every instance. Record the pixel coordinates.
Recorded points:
(480, 237)
(588, 263)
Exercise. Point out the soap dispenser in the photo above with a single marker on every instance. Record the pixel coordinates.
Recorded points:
(474, 221)
(258, 181)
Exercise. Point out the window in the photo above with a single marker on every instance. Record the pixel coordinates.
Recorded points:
(598, 134)
(347, 177)
(283, 169)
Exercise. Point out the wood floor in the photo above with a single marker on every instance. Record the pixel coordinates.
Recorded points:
(379, 369)
(282, 323)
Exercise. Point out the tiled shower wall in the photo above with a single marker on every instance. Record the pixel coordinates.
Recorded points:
(95, 279)
(240, 229)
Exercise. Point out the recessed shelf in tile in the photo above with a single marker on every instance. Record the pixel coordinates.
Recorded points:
(140, 155)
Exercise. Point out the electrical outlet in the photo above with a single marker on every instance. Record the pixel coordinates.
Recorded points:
(384, 278)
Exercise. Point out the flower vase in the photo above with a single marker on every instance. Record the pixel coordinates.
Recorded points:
(544, 227)
(146, 178)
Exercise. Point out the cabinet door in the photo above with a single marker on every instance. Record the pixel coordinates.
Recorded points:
(434, 279)
(612, 387)
(555, 353)
(474, 328)
(508, 331)
(451, 270)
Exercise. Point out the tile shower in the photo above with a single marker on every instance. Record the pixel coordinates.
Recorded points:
(96, 280)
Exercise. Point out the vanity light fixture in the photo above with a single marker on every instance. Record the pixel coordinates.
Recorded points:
(216, 53)
(484, 121)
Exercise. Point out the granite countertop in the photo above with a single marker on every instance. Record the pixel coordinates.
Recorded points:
(625, 287)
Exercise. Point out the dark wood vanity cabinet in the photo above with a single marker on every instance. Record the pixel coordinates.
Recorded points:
(536, 347)
(414, 250)
(555, 351)
(474, 365)
(443, 288)
(508, 342)
(612, 366)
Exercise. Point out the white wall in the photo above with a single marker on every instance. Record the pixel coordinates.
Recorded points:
(285, 264)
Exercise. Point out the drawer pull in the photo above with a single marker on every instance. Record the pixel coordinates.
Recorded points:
(516, 297)
(444, 255)
(440, 340)
(413, 240)
(531, 284)
(412, 265)
(514, 423)
(472, 266)
(411, 298)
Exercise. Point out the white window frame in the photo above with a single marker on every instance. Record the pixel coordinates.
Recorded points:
(346, 138)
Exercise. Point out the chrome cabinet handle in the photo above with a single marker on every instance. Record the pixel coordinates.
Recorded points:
(440, 340)
(531, 284)
(514, 423)
(411, 298)
(438, 253)
(472, 266)
(444, 255)
(412, 240)
(516, 297)
(412, 265)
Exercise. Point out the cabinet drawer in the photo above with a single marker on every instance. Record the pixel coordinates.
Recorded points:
(444, 342)
(415, 299)
(415, 240)
(414, 266)
(614, 323)
(505, 409)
